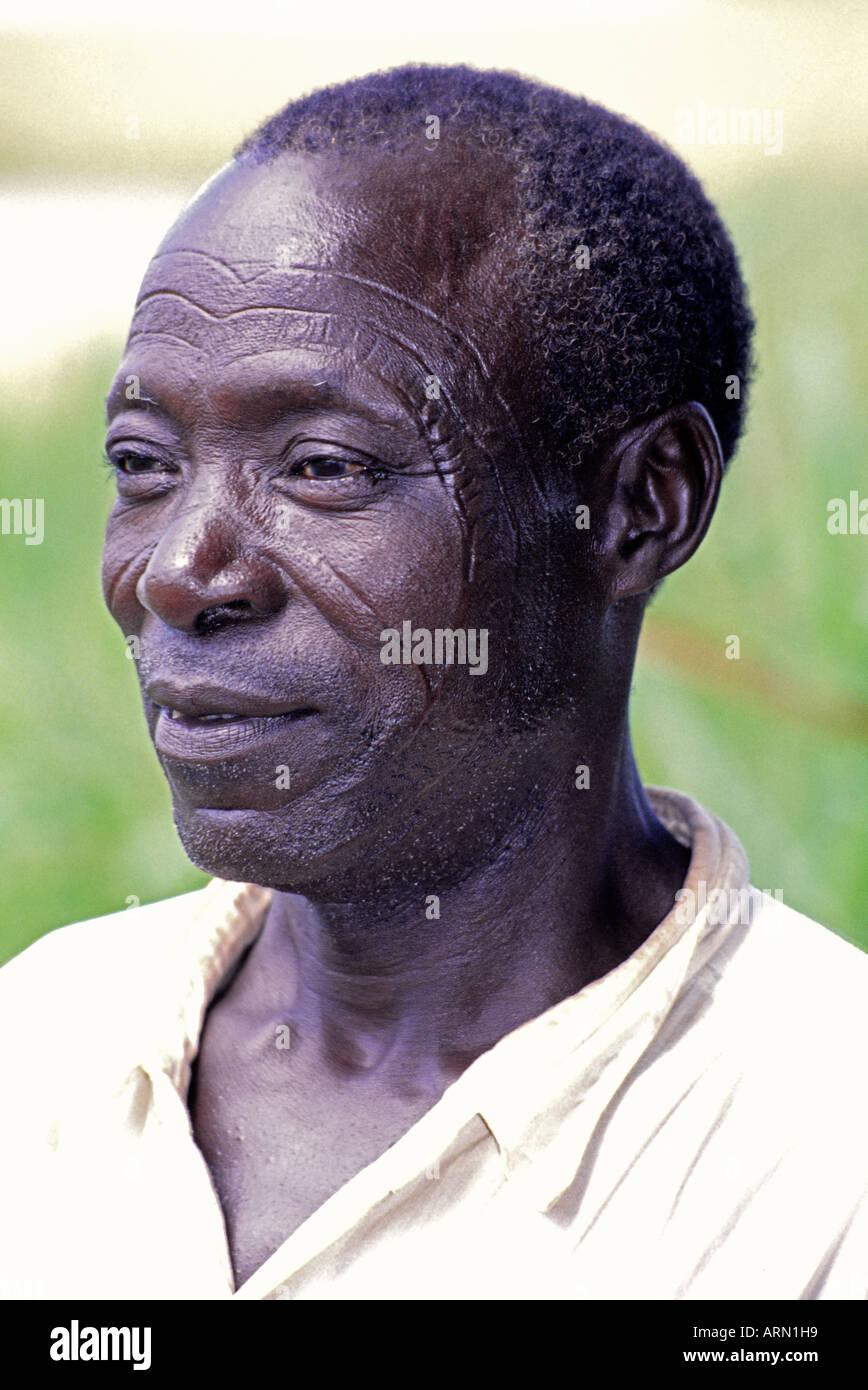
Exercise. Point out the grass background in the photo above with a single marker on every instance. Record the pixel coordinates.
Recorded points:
(776, 742)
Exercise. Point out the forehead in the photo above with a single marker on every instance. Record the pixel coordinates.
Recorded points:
(371, 264)
(420, 223)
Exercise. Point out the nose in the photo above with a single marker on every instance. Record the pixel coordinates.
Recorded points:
(204, 573)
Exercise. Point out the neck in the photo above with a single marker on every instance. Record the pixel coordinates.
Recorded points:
(423, 981)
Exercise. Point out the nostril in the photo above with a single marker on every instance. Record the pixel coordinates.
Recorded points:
(213, 618)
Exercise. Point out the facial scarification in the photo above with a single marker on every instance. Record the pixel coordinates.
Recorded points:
(385, 332)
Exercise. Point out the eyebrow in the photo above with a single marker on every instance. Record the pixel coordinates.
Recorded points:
(117, 401)
(296, 396)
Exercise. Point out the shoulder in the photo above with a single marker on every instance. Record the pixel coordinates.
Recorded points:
(810, 939)
(775, 1008)
(80, 987)
(776, 959)
(98, 943)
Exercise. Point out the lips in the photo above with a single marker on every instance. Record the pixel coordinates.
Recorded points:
(200, 701)
(201, 718)
(205, 724)
(213, 737)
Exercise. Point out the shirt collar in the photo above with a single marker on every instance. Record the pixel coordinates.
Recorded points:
(227, 919)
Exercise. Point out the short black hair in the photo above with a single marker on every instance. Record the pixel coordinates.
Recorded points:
(659, 316)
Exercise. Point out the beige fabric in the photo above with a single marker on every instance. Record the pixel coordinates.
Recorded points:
(692, 1125)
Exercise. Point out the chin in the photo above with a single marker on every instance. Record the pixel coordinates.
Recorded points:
(356, 863)
(245, 846)
(266, 848)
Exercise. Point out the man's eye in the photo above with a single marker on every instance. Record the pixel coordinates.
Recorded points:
(322, 469)
(133, 464)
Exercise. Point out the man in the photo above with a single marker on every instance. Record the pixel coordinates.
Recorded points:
(424, 394)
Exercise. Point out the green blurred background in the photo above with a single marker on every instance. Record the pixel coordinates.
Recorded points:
(108, 131)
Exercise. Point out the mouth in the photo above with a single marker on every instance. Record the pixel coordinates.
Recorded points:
(179, 717)
(196, 734)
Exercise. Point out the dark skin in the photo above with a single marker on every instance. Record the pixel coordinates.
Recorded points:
(288, 490)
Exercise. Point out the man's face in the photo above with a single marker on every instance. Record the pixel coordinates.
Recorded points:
(314, 446)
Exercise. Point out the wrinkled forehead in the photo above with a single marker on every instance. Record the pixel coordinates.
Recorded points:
(357, 256)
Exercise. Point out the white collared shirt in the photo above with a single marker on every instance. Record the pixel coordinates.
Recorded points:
(691, 1125)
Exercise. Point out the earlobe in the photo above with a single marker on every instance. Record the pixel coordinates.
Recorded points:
(664, 480)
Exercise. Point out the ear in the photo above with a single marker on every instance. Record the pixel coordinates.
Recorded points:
(658, 488)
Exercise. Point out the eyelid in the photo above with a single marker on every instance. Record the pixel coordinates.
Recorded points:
(316, 447)
(115, 460)
(372, 468)
(145, 448)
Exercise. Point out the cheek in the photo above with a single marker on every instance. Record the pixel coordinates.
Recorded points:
(124, 560)
(403, 559)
